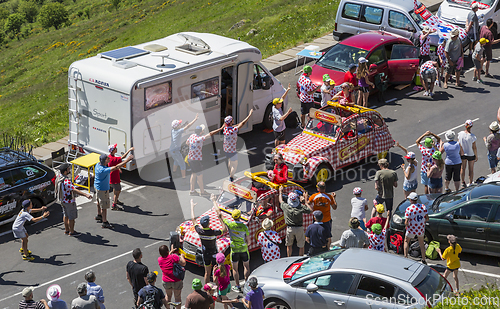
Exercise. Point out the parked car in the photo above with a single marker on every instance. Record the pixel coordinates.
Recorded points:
(495, 177)
(471, 214)
(349, 278)
(335, 137)
(456, 11)
(391, 55)
(253, 194)
(23, 177)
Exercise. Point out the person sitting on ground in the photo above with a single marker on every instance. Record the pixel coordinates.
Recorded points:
(354, 237)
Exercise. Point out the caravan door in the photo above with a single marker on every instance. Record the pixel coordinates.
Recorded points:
(244, 95)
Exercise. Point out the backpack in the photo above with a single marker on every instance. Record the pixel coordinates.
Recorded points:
(149, 302)
(431, 252)
(415, 250)
(396, 243)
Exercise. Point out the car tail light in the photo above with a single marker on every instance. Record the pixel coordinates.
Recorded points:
(335, 26)
(421, 294)
(53, 180)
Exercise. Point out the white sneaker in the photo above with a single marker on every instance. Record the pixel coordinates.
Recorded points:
(426, 93)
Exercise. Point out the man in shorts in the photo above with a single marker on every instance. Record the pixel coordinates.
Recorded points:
(472, 26)
(467, 141)
(66, 194)
(453, 51)
(240, 238)
(416, 216)
(114, 177)
(208, 237)
(306, 91)
(279, 119)
(293, 211)
(427, 151)
(323, 201)
(101, 184)
(230, 132)
(385, 182)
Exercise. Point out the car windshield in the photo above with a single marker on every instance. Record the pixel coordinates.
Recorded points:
(317, 263)
(231, 201)
(447, 201)
(432, 285)
(420, 15)
(340, 56)
(322, 127)
(468, 3)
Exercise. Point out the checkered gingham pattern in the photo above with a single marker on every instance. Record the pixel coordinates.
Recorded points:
(306, 85)
(377, 242)
(254, 226)
(416, 214)
(195, 146)
(230, 138)
(319, 150)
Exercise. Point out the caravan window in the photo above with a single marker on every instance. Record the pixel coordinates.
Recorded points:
(205, 89)
(158, 95)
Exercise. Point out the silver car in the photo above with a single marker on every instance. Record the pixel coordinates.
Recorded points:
(350, 278)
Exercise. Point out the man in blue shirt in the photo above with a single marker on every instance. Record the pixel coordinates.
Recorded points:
(317, 235)
(101, 184)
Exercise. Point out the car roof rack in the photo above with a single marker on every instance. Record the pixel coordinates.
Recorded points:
(9, 156)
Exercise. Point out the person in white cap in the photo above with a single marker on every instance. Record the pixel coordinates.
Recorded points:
(53, 295)
(416, 216)
(425, 44)
(359, 207)
(29, 303)
(492, 143)
(363, 82)
(467, 141)
(230, 132)
(410, 182)
(114, 176)
(453, 51)
(453, 163)
(472, 26)
(269, 241)
(175, 146)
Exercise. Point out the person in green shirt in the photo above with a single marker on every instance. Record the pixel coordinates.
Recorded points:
(240, 237)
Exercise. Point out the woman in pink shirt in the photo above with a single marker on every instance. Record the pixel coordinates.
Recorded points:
(171, 283)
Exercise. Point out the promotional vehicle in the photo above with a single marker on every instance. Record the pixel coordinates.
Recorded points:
(22, 177)
(456, 11)
(393, 56)
(120, 96)
(471, 214)
(335, 137)
(255, 196)
(351, 279)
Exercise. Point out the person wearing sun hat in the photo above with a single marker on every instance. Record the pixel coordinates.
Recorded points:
(427, 150)
(53, 297)
(467, 141)
(306, 90)
(28, 301)
(279, 118)
(425, 44)
(416, 216)
(359, 206)
(175, 145)
(453, 51)
(198, 299)
(114, 176)
(410, 182)
(354, 237)
(230, 132)
(492, 143)
(269, 241)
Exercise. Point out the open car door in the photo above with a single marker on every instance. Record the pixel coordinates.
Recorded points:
(403, 63)
(244, 94)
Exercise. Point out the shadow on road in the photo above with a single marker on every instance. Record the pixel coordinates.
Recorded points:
(51, 260)
(11, 282)
(94, 240)
(125, 229)
(138, 211)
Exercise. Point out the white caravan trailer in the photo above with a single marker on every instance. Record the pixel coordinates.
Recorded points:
(109, 94)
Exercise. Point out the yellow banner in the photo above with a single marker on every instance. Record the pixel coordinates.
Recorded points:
(354, 148)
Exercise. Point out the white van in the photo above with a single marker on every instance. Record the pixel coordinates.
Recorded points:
(110, 93)
(456, 11)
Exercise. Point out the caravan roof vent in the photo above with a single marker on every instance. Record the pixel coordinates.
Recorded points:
(124, 53)
(193, 45)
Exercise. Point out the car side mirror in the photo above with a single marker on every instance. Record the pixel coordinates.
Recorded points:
(449, 217)
(311, 288)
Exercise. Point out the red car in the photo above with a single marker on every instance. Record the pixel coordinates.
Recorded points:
(394, 56)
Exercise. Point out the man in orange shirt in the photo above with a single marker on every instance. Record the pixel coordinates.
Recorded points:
(323, 201)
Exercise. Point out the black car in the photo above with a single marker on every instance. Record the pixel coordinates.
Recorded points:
(471, 214)
(22, 177)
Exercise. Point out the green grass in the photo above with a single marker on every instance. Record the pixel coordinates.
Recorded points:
(33, 70)
(486, 297)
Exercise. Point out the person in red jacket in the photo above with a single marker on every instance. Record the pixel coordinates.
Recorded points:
(279, 174)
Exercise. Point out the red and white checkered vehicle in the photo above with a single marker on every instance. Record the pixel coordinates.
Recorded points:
(257, 198)
(335, 137)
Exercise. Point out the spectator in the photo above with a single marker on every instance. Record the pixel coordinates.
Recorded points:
(441, 56)
(94, 289)
(293, 211)
(171, 283)
(435, 173)
(359, 207)
(378, 237)
(363, 82)
(210, 289)
(425, 44)
(346, 96)
(65, 191)
(410, 182)
(379, 218)
(255, 297)
(354, 237)
(492, 143)
(18, 226)
(208, 237)
(486, 33)
(453, 162)
(429, 71)
(279, 175)
(323, 201)
(453, 51)
(101, 184)
(269, 241)
(306, 90)
(279, 126)
(53, 295)
(385, 182)
(84, 301)
(427, 150)
(195, 156)
(240, 238)
(199, 299)
(467, 142)
(29, 303)
(350, 75)
(472, 26)
(317, 235)
(137, 273)
(222, 277)
(175, 146)
(477, 59)
(327, 90)
(452, 260)
(151, 294)
(230, 138)
(114, 176)
(416, 216)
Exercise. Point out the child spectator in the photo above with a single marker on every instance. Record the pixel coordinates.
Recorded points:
(363, 82)
(451, 257)
(359, 206)
(255, 298)
(94, 289)
(477, 59)
(435, 173)
(210, 289)
(379, 218)
(378, 237)
(222, 277)
(346, 96)
(269, 240)
(327, 90)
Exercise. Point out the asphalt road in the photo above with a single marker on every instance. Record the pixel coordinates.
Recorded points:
(154, 209)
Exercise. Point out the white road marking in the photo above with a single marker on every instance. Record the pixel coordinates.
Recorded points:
(44, 219)
(269, 143)
(79, 207)
(136, 188)
(297, 133)
(468, 70)
(391, 100)
(412, 92)
(375, 106)
(479, 273)
(5, 233)
(165, 178)
(218, 159)
(253, 148)
(125, 186)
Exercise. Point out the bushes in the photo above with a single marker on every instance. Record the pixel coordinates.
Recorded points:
(13, 24)
(53, 14)
(29, 9)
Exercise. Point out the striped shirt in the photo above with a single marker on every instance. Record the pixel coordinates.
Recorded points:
(30, 304)
(354, 238)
